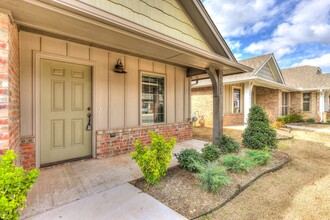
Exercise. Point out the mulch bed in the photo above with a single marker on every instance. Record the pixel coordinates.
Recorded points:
(181, 191)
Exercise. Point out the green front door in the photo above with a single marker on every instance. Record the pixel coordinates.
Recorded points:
(65, 100)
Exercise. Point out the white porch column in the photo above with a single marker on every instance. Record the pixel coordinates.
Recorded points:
(326, 101)
(248, 86)
(322, 106)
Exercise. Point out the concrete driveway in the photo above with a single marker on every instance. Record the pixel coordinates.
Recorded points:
(63, 184)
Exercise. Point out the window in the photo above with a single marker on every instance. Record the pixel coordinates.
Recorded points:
(236, 100)
(285, 103)
(306, 101)
(153, 99)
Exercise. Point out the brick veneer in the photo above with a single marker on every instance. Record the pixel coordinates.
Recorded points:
(296, 104)
(233, 119)
(270, 100)
(28, 152)
(202, 102)
(124, 139)
(9, 86)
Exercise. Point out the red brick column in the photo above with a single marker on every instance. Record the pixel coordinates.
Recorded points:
(9, 86)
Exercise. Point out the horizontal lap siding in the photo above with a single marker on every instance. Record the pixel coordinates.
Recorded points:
(116, 99)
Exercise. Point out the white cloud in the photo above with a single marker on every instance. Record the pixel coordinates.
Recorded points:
(322, 61)
(309, 22)
(241, 17)
(234, 45)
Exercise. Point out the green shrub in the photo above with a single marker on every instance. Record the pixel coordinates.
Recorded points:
(15, 183)
(236, 164)
(258, 157)
(328, 121)
(210, 152)
(155, 160)
(228, 145)
(213, 176)
(259, 134)
(280, 119)
(189, 159)
(310, 120)
(293, 117)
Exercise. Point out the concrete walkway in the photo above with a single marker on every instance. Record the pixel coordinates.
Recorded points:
(121, 202)
(301, 127)
(63, 184)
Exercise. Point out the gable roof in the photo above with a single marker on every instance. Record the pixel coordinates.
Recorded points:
(256, 63)
(306, 77)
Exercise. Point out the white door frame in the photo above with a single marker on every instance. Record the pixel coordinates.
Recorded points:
(37, 56)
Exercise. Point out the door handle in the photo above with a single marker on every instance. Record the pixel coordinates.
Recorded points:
(89, 124)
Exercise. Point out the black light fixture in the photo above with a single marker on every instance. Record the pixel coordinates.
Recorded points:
(119, 68)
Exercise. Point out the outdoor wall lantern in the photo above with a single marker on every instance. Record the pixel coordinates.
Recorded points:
(119, 68)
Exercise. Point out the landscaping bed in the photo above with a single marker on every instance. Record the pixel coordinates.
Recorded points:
(181, 190)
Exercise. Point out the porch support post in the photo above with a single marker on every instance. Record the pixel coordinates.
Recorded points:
(216, 77)
(248, 86)
(326, 101)
(322, 106)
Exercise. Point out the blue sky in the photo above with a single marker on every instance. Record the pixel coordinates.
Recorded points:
(296, 31)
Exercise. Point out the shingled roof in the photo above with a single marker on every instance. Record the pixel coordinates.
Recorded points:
(306, 77)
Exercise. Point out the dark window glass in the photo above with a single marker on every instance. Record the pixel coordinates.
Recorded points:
(285, 103)
(237, 101)
(306, 101)
(153, 99)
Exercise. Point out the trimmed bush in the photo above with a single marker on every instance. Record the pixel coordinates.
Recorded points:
(210, 152)
(310, 120)
(259, 134)
(15, 183)
(236, 164)
(155, 160)
(328, 121)
(258, 157)
(213, 176)
(189, 159)
(228, 145)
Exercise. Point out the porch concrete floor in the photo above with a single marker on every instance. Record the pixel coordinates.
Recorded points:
(73, 181)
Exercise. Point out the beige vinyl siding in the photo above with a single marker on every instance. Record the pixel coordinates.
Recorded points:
(116, 99)
(164, 16)
(228, 97)
(266, 73)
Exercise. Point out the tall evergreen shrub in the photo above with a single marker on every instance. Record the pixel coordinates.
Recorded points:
(259, 134)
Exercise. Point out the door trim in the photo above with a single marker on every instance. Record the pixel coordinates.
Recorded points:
(37, 56)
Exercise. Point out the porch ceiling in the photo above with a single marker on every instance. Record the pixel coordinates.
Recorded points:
(73, 21)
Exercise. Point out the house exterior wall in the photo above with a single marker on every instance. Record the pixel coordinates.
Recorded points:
(116, 98)
(270, 100)
(202, 102)
(296, 104)
(9, 86)
(166, 17)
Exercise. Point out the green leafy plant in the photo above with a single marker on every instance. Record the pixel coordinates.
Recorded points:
(310, 120)
(228, 145)
(293, 117)
(259, 134)
(15, 183)
(236, 164)
(328, 121)
(213, 176)
(258, 157)
(189, 159)
(154, 160)
(210, 152)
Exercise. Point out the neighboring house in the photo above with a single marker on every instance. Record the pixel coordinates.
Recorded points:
(312, 95)
(64, 91)
(276, 91)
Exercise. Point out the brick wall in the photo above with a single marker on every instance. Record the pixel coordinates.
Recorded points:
(9, 86)
(296, 104)
(233, 119)
(202, 102)
(124, 139)
(270, 100)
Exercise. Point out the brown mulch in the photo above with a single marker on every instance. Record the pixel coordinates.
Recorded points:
(181, 190)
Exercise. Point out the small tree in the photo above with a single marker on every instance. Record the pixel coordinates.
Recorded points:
(155, 160)
(15, 183)
(259, 134)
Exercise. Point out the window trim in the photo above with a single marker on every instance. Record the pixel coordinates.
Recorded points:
(141, 73)
(309, 102)
(240, 100)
